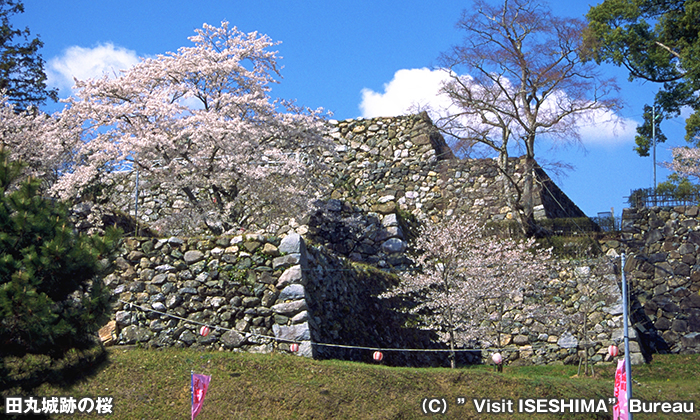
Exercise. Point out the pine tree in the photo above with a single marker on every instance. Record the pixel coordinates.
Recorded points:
(52, 298)
(22, 75)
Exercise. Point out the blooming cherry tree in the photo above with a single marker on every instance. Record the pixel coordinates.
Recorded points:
(686, 161)
(465, 277)
(34, 138)
(200, 119)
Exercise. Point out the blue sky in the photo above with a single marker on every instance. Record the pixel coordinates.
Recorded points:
(354, 58)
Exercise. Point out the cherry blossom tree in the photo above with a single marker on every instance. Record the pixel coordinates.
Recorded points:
(686, 161)
(466, 278)
(524, 80)
(34, 138)
(202, 120)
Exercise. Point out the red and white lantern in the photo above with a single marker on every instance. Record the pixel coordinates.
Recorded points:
(377, 356)
(497, 358)
(294, 347)
(613, 350)
(204, 331)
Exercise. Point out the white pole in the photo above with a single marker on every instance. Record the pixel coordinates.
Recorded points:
(653, 138)
(136, 198)
(625, 312)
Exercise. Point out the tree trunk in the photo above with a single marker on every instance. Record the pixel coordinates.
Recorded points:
(528, 198)
(519, 199)
(452, 348)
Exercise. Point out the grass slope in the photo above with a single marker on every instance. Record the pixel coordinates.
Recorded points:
(155, 384)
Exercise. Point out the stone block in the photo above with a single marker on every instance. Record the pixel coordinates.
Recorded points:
(394, 246)
(636, 359)
(296, 332)
(232, 339)
(679, 325)
(390, 220)
(187, 337)
(268, 298)
(286, 261)
(292, 292)
(290, 276)
(271, 250)
(521, 340)
(193, 256)
(123, 318)
(302, 316)
(691, 340)
(292, 244)
(158, 306)
(567, 341)
(289, 308)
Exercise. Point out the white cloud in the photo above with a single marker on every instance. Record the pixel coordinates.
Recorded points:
(409, 89)
(605, 128)
(412, 89)
(84, 63)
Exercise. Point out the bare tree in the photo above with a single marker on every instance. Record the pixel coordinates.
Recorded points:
(524, 79)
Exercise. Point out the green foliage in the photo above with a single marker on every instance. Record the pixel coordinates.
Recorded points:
(507, 228)
(678, 187)
(26, 374)
(647, 134)
(409, 224)
(571, 246)
(575, 225)
(676, 190)
(655, 41)
(51, 296)
(21, 67)
(560, 226)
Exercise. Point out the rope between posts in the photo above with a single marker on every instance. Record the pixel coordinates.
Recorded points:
(313, 343)
(249, 334)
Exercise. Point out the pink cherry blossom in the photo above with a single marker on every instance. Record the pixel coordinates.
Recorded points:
(200, 120)
(465, 277)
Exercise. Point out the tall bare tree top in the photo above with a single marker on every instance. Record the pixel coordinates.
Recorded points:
(525, 77)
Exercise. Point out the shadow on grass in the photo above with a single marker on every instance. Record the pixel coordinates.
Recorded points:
(23, 376)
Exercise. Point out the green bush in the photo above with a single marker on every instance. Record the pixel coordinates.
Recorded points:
(52, 298)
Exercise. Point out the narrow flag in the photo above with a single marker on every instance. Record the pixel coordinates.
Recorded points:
(200, 383)
(620, 408)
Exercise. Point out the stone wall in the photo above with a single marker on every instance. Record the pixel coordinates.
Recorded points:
(248, 289)
(260, 293)
(346, 310)
(380, 165)
(661, 246)
(383, 164)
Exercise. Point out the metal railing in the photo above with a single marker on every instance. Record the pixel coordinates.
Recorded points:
(649, 198)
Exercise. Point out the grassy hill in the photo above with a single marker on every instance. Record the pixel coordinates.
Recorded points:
(155, 384)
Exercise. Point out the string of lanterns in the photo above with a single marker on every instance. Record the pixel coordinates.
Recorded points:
(377, 355)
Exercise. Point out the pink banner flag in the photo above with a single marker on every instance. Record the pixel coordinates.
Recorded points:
(620, 408)
(200, 383)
